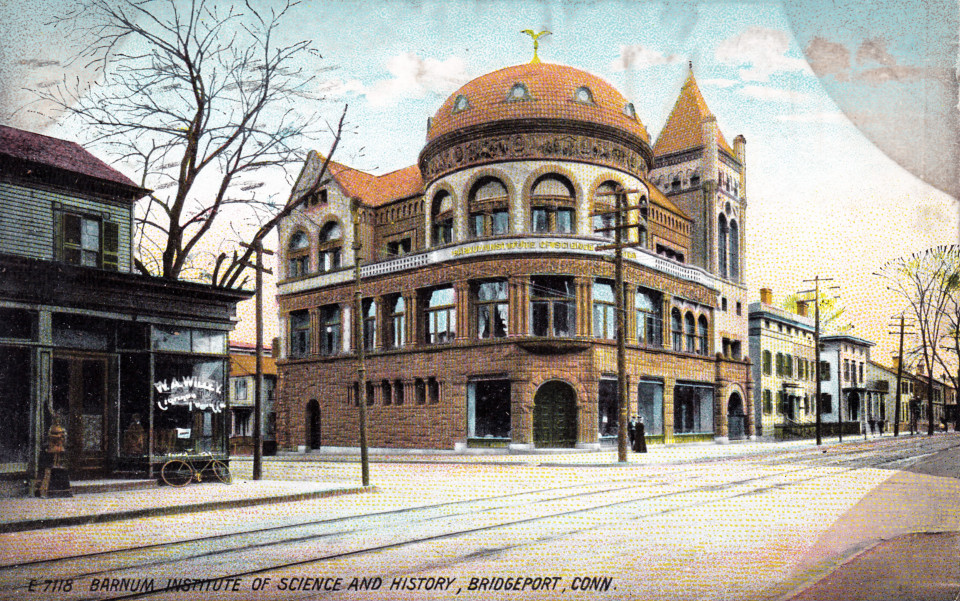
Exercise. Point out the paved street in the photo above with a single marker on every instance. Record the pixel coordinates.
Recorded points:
(800, 522)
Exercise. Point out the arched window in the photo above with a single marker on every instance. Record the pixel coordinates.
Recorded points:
(690, 329)
(489, 208)
(369, 324)
(396, 323)
(676, 329)
(604, 203)
(734, 257)
(298, 254)
(518, 92)
(552, 205)
(649, 318)
(766, 362)
(722, 235)
(703, 340)
(583, 95)
(695, 179)
(441, 213)
(460, 104)
(330, 246)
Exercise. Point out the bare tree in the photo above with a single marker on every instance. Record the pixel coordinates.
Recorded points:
(204, 99)
(831, 311)
(927, 281)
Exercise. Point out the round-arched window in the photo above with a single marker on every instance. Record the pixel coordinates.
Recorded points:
(552, 205)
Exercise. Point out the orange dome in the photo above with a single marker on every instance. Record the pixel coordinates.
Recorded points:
(536, 91)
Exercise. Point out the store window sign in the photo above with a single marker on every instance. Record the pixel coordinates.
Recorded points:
(195, 393)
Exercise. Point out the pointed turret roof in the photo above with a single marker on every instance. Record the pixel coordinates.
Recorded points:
(683, 130)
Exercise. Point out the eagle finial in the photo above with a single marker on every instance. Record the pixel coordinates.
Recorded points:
(536, 43)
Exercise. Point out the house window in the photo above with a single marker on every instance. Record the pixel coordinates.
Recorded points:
(398, 248)
(676, 329)
(824, 371)
(398, 392)
(739, 308)
(330, 330)
(489, 208)
(703, 340)
(89, 241)
(604, 204)
(607, 408)
(440, 315)
(692, 409)
(846, 370)
(330, 246)
(369, 324)
(488, 409)
(553, 306)
(299, 334)
(552, 202)
(649, 308)
(386, 393)
(788, 365)
(420, 391)
(441, 213)
(492, 309)
(766, 362)
(604, 311)
(396, 322)
(433, 391)
(734, 252)
(298, 255)
(240, 389)
(826, 403)
(767, 402)
(691, 331)
(723, 233)
(780, 365)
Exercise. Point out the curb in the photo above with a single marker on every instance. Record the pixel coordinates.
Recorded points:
(99, 518)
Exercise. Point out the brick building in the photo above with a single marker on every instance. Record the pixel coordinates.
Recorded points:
(488, 312)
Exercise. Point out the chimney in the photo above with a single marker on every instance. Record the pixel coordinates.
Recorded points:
(766, 296)
(802, 308)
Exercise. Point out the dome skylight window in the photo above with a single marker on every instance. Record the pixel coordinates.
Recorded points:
(629, 111)
(460, 104)
(583, 95)
(518, 92)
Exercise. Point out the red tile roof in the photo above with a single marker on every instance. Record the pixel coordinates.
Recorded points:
(551, 89)
(683, 130)
(658, 197)
(54, 152)
(377, 190)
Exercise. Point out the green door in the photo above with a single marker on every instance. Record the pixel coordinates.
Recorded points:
(555, 416)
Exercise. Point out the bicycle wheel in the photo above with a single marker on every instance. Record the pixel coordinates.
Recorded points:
(176, 473)
(221, 471)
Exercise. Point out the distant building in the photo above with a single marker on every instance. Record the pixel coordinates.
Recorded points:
(944, 402)
(488, 309)
(846, 396)
(132, 366)
(243, 384)
(783, 354)
(882, 380)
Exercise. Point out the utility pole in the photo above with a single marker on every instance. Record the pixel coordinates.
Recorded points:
(896, 408)
(816, 345)
(618, 245)
(258, 381)
(361, 355)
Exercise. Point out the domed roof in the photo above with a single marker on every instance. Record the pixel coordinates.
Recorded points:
(532, 91)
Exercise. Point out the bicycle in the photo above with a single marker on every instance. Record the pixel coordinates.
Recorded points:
(180, 472)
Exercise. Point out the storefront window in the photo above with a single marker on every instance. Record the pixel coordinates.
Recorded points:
(650, 407)
(692, 409)
(607, 409)
(189, 403)
(488, 409)
(15, 384)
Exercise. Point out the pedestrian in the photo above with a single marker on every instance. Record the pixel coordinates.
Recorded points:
(640, 439)
(632, 430)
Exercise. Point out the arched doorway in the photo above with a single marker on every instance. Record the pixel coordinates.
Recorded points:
(555, 415)
(736, 418)
(313, 425)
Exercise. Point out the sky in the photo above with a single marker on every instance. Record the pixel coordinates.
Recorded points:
(834, 134)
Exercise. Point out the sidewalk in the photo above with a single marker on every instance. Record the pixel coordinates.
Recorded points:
(29, 513)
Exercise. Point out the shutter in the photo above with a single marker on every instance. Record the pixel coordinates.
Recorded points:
(111, 244)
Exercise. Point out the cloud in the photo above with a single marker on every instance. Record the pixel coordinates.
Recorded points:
(720, 83)
(638, 56)
(828, 58)
(774, 94)
(820, 117)
(337, 88)
(759, 52)
(414, 77)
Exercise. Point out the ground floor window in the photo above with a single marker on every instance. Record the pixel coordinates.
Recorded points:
(650, 407)
(15, 384)
(189, 403)
(488, 409)
(607, 408)
(692, 409)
